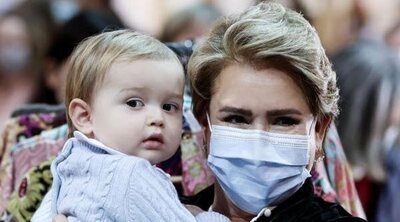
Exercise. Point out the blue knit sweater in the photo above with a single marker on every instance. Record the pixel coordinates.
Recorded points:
(93, 182)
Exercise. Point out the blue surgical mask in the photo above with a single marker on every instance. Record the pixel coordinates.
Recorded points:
(258, 169)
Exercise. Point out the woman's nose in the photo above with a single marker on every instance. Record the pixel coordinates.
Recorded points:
(261, 125)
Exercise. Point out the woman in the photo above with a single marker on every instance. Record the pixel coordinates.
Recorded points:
(265, 93)
(24, 35)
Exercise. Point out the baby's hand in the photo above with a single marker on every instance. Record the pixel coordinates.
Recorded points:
(60, 218)
(192, 209)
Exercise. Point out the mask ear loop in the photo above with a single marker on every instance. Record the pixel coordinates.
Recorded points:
(204, 147)
(309, 131)
(209, 122)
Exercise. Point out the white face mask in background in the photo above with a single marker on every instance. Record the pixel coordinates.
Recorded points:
(257, 169)
(14, 58)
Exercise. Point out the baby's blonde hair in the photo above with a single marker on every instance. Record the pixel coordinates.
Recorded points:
(91, 60)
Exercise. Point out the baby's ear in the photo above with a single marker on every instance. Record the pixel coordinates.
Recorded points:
(80, 115)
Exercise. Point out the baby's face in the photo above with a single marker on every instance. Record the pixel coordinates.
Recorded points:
(137, 109)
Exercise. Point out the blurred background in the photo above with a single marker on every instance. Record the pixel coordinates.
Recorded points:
(361, 37)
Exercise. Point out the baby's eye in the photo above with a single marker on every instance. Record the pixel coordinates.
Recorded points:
(135, 103)
(170, 107)
(235, 119)
(285, 121)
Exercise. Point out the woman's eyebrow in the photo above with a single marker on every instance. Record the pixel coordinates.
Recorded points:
(229, 109)
(280, 112)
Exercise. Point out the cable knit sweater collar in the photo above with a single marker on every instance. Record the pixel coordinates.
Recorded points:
(82, 138)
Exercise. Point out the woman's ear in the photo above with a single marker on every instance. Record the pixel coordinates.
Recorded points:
(203, 120)
(201, 115)
(80, 115)
(321, 128)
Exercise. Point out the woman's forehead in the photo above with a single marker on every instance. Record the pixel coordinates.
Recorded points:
(246, 87)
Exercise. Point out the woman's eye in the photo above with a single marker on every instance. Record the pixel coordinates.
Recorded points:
(285, 121)
(235, 119)
(170, 107)
(135, 103)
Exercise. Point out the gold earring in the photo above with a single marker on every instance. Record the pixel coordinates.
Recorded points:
(319, 155)
(204, 148)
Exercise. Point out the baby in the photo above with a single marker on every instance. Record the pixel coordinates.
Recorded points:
(124, 95)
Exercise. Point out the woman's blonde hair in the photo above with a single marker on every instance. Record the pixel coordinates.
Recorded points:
(91, 60)
(265, 35)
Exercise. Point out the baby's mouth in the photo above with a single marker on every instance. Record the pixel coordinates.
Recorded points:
(153, 142)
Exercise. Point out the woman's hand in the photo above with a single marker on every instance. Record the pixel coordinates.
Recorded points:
(60, 218)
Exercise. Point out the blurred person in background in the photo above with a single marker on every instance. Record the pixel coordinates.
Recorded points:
(8, 4)
(191, 23)
(393, 38)
(86, 23)
(20, 199)
(389, 199)
(368, 79)
(63, 10)
(145, 16)
(152, 16)
(189, 26)
(378, 17)
(233, 7)
(341, 22)
(25, 34)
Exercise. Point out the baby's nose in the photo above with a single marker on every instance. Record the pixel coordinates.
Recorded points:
(155, 118)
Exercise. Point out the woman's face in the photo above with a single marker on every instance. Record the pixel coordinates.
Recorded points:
(266, 99)
(15, 48)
